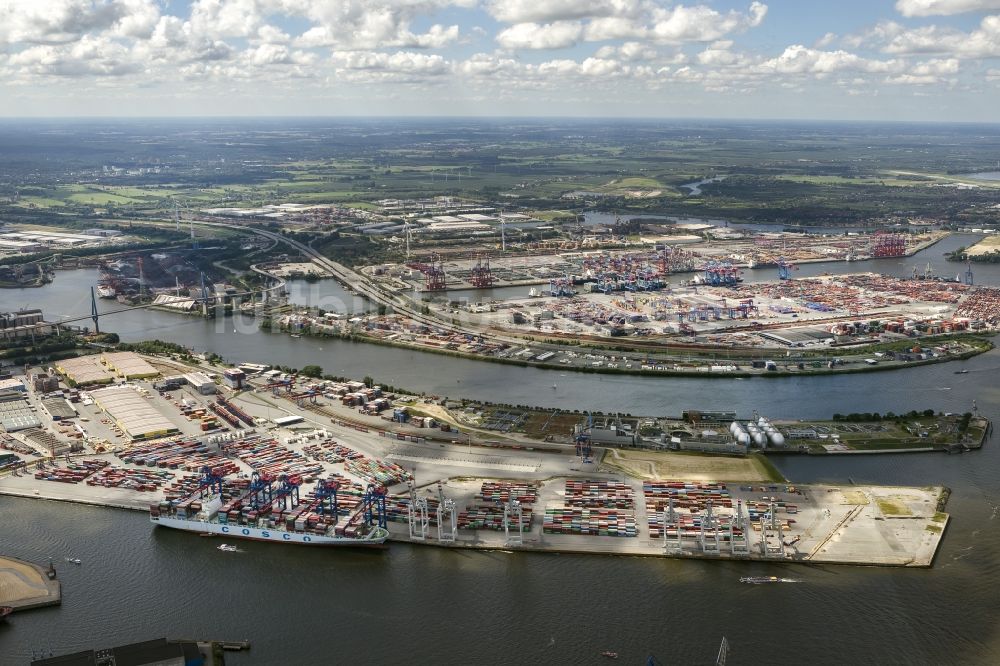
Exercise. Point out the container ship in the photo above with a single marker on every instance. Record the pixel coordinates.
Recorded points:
(267, 508)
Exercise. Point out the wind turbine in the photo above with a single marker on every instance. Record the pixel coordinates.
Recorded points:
(503, 234)
(406, 235)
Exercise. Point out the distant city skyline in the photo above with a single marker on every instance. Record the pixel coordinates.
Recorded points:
(922, 60)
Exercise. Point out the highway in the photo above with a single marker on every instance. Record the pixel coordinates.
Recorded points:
(357, 282)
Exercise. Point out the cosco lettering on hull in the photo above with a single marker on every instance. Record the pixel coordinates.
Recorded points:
(264, 534)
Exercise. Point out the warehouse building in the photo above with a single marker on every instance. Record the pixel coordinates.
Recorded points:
(12, 384)
(200, 382)
(58, 408)
(84, 370)
(129, 365)
(136, 417)
(15, 412)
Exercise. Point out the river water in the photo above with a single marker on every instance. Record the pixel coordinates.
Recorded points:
(424, 605)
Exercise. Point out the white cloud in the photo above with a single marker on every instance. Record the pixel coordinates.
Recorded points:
(983, 42)
(944, 7)
(369, 24)
(633, 20)
(277, 54)
(61, 21)
(483, 64)
(702, 24)
(629, 51)
(825, 40)
(719, 54)
(226, 18)
(269, 34)
(637, 48)
(85, 57)
(401, 62)
(559, 35)
(533, 11)
(799, 59)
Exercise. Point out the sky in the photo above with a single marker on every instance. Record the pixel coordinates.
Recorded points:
(910, 60)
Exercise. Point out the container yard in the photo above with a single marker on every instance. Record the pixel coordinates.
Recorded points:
(648, 266)
(681, 329)
(816, 311)
(431, 486)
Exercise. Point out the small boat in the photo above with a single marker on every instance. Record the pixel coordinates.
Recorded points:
(609, 654)
(554, 386)
(228, 548)
(74, 560)
(961, 372)
(206, 534)
(296, 335)
(4, 612)
(758, 580)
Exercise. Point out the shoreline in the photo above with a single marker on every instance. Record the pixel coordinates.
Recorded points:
(536, 541)
(673, 372)
(15, 572)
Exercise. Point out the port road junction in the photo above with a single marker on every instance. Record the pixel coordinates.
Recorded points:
(508, 491)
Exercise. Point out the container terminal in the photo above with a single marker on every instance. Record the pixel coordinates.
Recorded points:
(815, 324)
(256, 453)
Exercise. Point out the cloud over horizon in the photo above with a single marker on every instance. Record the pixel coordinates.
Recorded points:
(540, 57)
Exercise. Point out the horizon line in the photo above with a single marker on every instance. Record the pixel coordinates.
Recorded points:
(579, 118)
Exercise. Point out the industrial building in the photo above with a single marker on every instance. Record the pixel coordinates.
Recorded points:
(24, 247)
(15, 412)
(103, 233)
(200, 382)
(23, 324)
(84, 370)
(51, 238)
(129, 365)
(233, 378)
(136, 417)
(43, 383)
(20, 318)
(610, 431)
(709, 442)
(182, 303)
(12, 384)
(58, 408)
